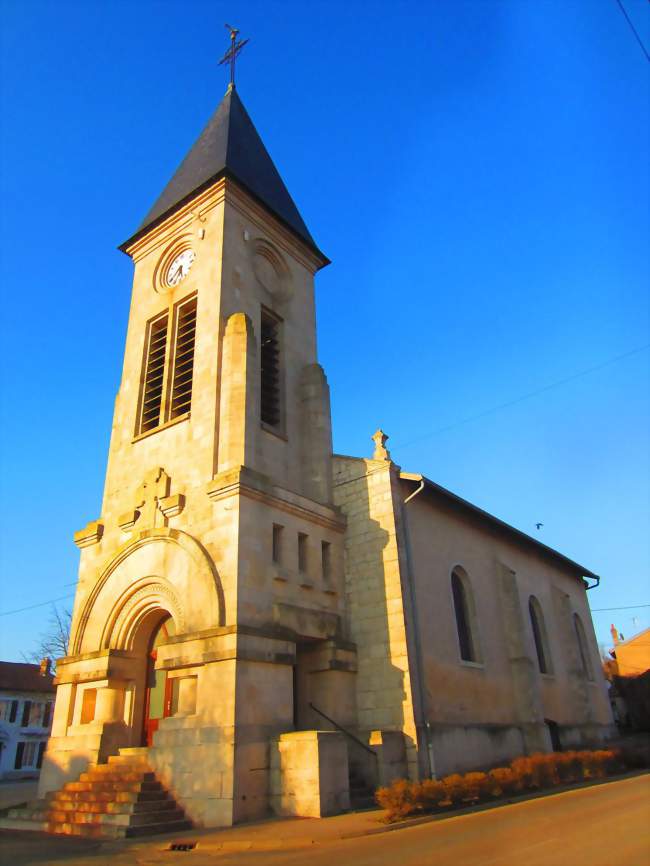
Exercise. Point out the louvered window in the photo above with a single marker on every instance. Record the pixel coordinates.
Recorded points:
(154, 375)
(183, 360)
(270, 382)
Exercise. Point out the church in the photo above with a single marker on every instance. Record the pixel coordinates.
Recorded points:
(263, 625)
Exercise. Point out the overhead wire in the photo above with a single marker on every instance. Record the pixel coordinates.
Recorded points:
(619, 3)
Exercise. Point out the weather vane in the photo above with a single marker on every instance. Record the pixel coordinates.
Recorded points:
(231, 54)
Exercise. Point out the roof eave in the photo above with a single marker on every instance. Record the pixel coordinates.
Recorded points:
(143, 230)
(580, 570)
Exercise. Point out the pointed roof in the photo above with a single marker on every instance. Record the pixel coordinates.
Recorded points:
(229, 146)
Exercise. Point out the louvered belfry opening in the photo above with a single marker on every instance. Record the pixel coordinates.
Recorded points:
(270, 409)
(184, 360)
(154, 375)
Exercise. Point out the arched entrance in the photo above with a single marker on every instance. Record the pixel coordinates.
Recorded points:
(158, 693)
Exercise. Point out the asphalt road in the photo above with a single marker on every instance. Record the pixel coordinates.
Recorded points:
(608, 825)
(604, 825)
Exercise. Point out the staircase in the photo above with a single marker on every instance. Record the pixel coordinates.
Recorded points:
(119, 799)
(362, 796)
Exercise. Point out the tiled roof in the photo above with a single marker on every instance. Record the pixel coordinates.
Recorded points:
(19, 677)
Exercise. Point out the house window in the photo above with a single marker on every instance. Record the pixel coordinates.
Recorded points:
(168, 367)
(8, 711)
(27, 709)
(302, 552)
(539, 635)
(583, 648)
(465, 616)
(27, 754)
(325, 559)
(277, 543)
(270, 410)
(47, 714)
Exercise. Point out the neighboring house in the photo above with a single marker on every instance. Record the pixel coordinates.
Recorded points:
(628, 672)
(632, 655)
(26, 702)
(243, 588)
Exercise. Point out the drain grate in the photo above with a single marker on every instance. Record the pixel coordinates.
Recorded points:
(182, 846)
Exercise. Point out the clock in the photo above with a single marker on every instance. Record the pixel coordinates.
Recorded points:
(179, 267)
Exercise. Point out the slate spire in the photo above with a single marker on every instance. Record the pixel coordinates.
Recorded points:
(229, 146)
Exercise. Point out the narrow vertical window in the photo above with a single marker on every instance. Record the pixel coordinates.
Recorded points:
(325, 559)
(27, 707)
(181, 398)
(302, 552)
(582, 647)
(88, 701)
(463, 619)
(277, 543)
(153, 375)
(270, 370)
(539, 635)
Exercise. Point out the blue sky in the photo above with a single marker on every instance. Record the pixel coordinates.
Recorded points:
(476, 170)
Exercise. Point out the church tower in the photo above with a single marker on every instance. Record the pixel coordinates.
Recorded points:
(208, 616)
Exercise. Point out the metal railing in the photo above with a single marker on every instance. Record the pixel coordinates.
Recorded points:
(344, 731)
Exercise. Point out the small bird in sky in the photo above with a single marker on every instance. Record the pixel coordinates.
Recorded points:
(539, 525)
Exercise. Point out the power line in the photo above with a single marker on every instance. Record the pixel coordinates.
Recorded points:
(32, 606)
(523, 397)
(619, 3)
(629, 607)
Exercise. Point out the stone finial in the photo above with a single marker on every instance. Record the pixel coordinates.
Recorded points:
(381, 452)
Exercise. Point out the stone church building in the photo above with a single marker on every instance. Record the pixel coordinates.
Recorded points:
(269, 625)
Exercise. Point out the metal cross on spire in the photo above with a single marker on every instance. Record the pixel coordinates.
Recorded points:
(231, 54)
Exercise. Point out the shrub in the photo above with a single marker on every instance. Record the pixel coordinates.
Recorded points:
(569, 766)
(453, 788)
(398, 799)
(502, 781)
(475, 785)
(430, 794)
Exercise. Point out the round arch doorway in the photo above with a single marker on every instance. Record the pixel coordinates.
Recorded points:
(158, 692)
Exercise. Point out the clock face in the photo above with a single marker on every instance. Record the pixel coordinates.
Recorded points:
(180, 267)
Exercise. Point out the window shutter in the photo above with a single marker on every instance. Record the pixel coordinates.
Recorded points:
(154, 375)
(13, 712)
(20, 748)
(47, 713)
(26, 710)
(41, 752)
(184, 360)
(270, 372)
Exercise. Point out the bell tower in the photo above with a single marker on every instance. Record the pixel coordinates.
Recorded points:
(218, 539)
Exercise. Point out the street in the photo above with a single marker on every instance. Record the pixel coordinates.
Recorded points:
(604, 825)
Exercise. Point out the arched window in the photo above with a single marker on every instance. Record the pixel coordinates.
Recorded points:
(539, 634)
(583, 648)
(465, 616)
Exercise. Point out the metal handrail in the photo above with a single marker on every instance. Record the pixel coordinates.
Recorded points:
(343, 730)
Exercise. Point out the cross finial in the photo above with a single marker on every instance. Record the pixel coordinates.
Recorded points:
(231, 54)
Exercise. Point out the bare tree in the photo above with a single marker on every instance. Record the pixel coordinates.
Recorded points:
(52, 643)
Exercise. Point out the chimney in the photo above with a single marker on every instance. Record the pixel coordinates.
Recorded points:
(45, 667)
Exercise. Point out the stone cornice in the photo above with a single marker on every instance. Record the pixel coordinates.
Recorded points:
(252, 485)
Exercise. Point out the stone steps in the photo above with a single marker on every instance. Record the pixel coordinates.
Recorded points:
(119, 799)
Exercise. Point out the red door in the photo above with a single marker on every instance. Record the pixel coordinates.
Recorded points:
(158, 700)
